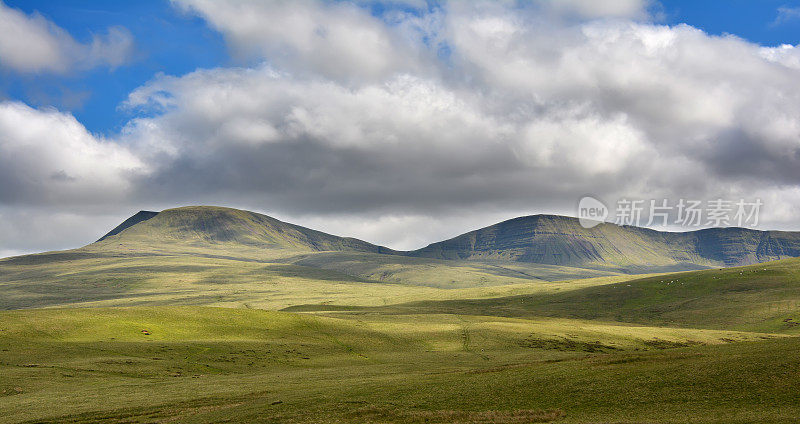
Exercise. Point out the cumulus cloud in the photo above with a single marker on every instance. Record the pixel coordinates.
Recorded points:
(785, 54)
(632, 9)
(49, 158)
(339, 40)
(268, 134)
(60, 185)
(31, 43)
(402, 127)
(26, 229)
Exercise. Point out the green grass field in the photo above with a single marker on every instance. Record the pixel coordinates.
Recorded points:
(203, 324)
(94, 276)
(762, 298)
(200, 364)
(710, 346)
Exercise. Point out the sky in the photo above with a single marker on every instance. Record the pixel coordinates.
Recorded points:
(401, 122)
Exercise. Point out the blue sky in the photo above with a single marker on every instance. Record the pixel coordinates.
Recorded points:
(166, 40)
(175, 43)
(755, 20)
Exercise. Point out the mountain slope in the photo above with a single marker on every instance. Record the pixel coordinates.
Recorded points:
(225, 227)
(140, 216)
(228, 257)
(558, 240)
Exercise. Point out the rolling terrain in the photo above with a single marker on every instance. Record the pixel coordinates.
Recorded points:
(762, 298)
(192, 364)
(205, 315)
(226, 257)
(559, 240)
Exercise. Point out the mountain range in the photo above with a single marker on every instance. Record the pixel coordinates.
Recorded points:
(535, 239)
(215, 256)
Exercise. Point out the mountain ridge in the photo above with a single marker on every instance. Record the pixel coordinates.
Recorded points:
(560, 240)
(197, 225)
(130, 222)
(540, 239)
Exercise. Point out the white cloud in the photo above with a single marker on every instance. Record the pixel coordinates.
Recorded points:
(786, 54)
(530, 115)
(786, 14)
(395, 141)
(589, 143)
(339, 40)
(257, 106)
(634, 9)
(34, 229)
(48, 158)
(31, 43)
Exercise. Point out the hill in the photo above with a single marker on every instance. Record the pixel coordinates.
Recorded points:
(763, 298)
(538, 239)
(226, 227)
(227, 257)
(140, 216)
(559, 240)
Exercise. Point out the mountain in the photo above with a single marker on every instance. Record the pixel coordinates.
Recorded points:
(559, 240)
(220, 256)
(537, 239)
(140, 216)
(209, 226)
(215, 256)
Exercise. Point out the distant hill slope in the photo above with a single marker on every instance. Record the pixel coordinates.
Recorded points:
(130, 222)
(558, 240)
(226, 228)
(222, 257)
(763, 298)
(536, 239)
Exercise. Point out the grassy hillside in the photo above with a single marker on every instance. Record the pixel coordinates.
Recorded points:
(553, 241)
(441, 273)
(558, 240)
(226, 257)
(193, 364)
(85, 277)
(764, 297)
(205, 226)
(140, 216)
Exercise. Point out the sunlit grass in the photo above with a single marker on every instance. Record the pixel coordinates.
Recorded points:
(207, 364)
